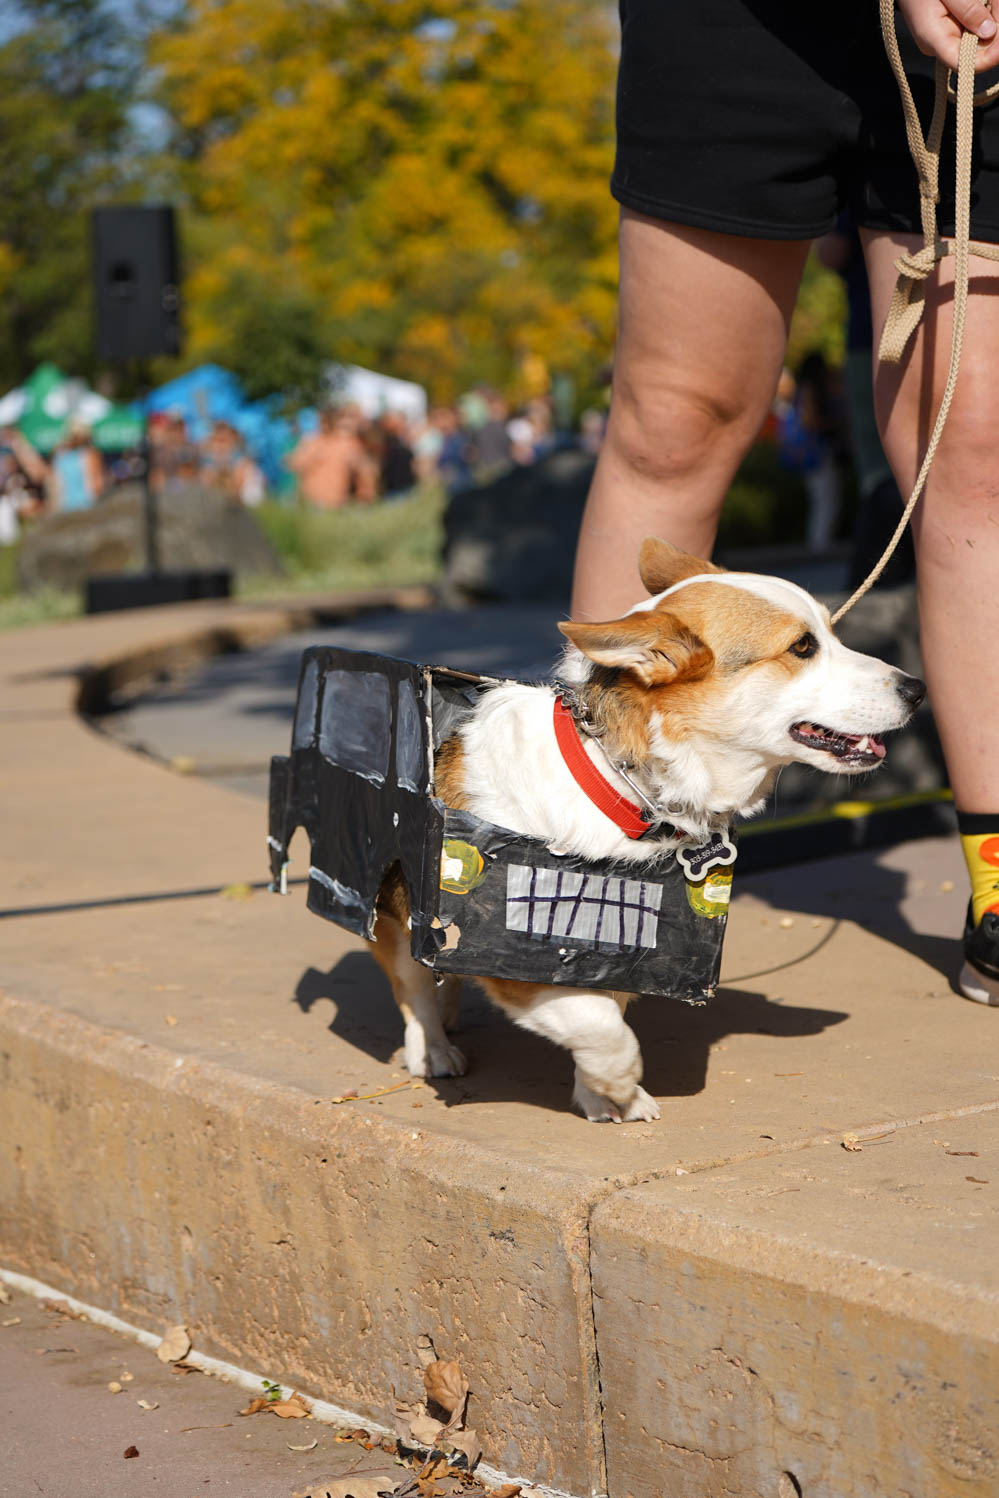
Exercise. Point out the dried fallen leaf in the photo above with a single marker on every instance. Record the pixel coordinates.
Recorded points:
(4, 1295)
(364, 1485)
(294, 1408)
(405, 1414)
(426, 1431)
(114, 1387)
(144, 1404)
(851, 1142)
(508, 1490)
(62, 1308)
(973, 1153)
(311, 1446)
(465, 1441)
(130, 1451)
(446, 1385)
(976, 1180)
(12, 1321)
(175, 1345)
(255, 1406)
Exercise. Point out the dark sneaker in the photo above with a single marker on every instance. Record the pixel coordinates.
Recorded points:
(979, 978)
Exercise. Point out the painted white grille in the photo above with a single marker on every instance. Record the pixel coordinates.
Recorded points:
(590, 910)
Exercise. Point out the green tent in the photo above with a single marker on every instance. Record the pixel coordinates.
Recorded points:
(50, 405)
(121, 427)
(43, 427)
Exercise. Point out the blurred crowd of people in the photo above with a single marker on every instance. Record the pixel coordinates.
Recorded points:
(76, 475)
(349, 458)
(219, 462)
(357, 459)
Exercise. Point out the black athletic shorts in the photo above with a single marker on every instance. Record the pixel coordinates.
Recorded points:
(768, 117)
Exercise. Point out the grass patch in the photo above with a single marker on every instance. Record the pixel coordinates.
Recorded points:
(361, 546)
(18, 609)
(40, 607)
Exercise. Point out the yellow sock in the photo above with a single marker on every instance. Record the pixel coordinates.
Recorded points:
(980, 843)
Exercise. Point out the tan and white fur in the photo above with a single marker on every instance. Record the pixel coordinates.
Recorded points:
(705, 690)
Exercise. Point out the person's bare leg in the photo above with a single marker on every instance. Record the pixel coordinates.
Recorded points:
(956, 524)
(703, 323)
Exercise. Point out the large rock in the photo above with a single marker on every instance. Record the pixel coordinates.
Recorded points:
(515, 537)
(197, 529)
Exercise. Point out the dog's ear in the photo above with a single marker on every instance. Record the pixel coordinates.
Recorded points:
(660, 565)
(657, 647)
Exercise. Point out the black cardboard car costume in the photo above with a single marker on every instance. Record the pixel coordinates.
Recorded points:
(485, 901)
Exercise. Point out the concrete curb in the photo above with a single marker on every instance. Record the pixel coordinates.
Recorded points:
(329, 1242)
(250, 625)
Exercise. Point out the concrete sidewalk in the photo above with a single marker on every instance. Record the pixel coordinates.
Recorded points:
(728, 1302)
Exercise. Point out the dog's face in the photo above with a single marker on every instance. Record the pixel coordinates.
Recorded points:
(748, 663)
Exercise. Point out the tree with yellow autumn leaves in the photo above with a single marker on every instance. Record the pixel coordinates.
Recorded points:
(418, 187)
(429, 179)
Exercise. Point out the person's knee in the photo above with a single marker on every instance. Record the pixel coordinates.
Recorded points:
(669, 434)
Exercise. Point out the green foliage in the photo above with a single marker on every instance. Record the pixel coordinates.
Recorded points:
(422, 190)
(359, 546)
(65, 83)
(274, 339)
(436, 180)
(819, 320)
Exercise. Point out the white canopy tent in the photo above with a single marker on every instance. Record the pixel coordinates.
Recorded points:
(377, 393)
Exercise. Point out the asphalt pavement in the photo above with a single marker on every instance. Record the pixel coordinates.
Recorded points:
(86, 1413)
(225, 719)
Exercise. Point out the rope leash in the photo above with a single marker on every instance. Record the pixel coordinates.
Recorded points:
(908, 299)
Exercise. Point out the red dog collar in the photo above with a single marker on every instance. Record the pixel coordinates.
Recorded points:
(623, 812)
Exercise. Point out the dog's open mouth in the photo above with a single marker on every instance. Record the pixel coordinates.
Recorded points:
(858, 750)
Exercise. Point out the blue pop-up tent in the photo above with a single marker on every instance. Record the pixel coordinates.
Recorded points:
(209, 394)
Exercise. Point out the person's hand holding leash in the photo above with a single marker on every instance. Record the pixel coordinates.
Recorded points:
(936, 27)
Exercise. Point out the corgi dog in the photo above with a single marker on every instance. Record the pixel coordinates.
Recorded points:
(691, 703)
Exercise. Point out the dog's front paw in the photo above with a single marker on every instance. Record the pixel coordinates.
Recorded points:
(642, 1106)
(600, 1109)
(438, 1060)
(445, 1061)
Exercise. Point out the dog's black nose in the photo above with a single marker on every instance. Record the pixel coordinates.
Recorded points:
(912, 690)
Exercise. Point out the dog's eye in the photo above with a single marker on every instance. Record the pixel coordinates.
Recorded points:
(805, 646)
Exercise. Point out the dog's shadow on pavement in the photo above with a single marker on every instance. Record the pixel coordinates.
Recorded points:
(507, 1064)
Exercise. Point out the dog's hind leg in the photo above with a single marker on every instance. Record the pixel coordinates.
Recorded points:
(428, 1052)
(605, 1049)
(449, 1000)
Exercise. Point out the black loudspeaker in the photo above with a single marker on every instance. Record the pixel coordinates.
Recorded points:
(136, 283)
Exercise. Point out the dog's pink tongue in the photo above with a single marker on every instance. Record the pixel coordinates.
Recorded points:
(867, 744)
